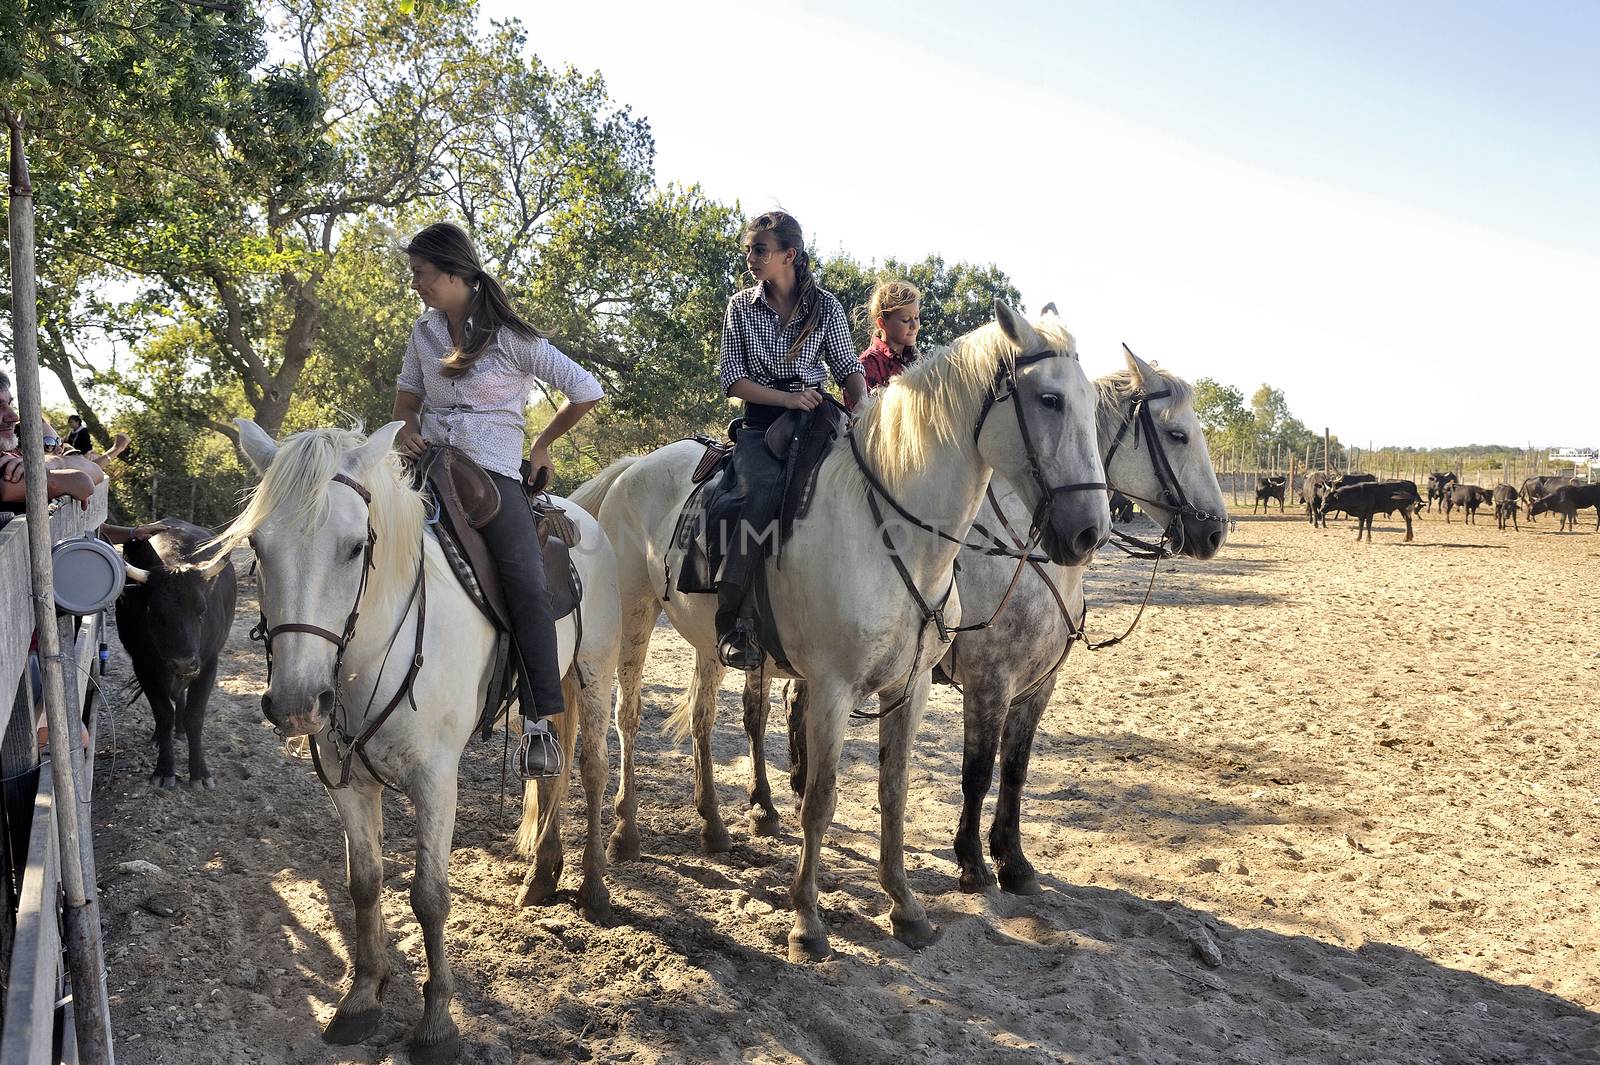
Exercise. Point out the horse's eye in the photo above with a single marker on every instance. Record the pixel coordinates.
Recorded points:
(1052, 401)
(355, 552)
(1178, 436)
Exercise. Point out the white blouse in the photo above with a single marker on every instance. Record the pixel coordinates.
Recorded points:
(481, 411)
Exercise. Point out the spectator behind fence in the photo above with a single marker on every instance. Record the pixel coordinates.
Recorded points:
(63, 481)
(78, 438)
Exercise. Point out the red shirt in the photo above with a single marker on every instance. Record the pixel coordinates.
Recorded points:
(879, 364)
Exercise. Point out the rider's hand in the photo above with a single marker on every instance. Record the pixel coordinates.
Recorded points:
(539, 459)
(410, 443)
(810, 399)
(11, 468)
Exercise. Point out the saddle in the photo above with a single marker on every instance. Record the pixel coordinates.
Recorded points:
(466, 499)
(800, 440)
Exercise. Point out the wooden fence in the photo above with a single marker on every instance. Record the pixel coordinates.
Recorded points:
(37, 1015)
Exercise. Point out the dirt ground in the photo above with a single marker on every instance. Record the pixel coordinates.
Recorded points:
(1366, 773)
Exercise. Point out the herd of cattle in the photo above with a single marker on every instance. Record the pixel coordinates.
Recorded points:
(1362, 495)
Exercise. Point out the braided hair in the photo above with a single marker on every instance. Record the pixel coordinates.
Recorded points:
(782, 225)
(447, 248)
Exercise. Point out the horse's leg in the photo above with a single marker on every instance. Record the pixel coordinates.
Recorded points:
(983, 709)
(1017, 875)
(824, 729)
(435, 1039)
(539, 834)
(896, 731)
(194, 720)
(795, 708)
(702, 716)
(360, 807)
(638, 622)
(595, 767)
(763, 817)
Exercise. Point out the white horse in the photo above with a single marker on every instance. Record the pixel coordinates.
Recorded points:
(1009, 397)
(339, 534)
(1154, 451)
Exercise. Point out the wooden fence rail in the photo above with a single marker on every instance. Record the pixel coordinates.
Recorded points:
(35, 972)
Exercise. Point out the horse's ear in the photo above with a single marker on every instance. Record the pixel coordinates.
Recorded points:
(1015, 327)
(257, 446)
(378, 445)
(1149, 380)
(1049, 311)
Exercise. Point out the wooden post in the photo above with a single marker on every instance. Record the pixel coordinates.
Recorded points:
(85, 957)
(1327, 455)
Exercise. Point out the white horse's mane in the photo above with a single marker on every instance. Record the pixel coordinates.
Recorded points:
(1117, 388)
(296, 486)
(935, 403)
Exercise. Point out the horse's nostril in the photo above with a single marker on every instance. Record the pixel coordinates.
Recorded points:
(1214, 541)
(1086, 541)
(325, 702)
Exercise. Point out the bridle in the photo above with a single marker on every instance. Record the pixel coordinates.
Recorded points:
(350, 748)
(1002, 388)
(1173, 499)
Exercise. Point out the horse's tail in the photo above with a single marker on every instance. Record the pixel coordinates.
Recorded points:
(680, 722)
(536, 812)
(591, 493)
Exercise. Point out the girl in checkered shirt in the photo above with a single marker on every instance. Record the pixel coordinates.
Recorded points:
(778, 336)
(895, 311)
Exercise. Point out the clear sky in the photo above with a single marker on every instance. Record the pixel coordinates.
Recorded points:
(1389, 210)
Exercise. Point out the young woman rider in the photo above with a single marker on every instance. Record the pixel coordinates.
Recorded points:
(469, 368)
(776, 339)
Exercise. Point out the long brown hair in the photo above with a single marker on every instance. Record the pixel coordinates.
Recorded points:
(782, 225)
(447, 248)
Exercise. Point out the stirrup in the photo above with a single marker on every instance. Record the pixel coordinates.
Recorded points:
(539, 752)
(740, 648)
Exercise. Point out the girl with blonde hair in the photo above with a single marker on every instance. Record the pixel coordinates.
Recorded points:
(895, 311)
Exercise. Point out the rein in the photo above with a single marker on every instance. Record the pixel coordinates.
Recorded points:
(353, 747)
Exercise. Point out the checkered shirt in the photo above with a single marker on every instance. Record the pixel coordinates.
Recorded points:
(756, 346)
(480, 411)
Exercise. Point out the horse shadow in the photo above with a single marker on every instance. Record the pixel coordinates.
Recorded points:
(1084, 972)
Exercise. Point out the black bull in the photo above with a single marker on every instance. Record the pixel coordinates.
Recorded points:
(1362, 501)
(173, 619)
(1567, 501)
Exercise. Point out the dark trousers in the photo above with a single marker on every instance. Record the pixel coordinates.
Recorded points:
(513, 540)
(747, 522)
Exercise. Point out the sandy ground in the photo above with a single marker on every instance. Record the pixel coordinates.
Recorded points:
(1366, 773)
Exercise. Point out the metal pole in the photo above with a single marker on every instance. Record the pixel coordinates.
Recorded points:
(85, 959)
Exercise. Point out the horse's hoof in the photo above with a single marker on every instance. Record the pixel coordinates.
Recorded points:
(804, 949)
(347, 1029)
(915, 934)
(440, 1053)
(764, 822)
(536, 891)
(205, 783)
(975, 881)
(1025, 882)
(716, 840)
(623, 847)
(595, 904)
(164, 780)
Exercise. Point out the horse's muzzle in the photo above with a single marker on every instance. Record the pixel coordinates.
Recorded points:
(302, 716)
(1078, 523)
(1202, 537)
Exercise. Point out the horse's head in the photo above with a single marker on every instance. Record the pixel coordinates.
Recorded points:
(1045, 445)
(328, 506)
(1158, 455)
